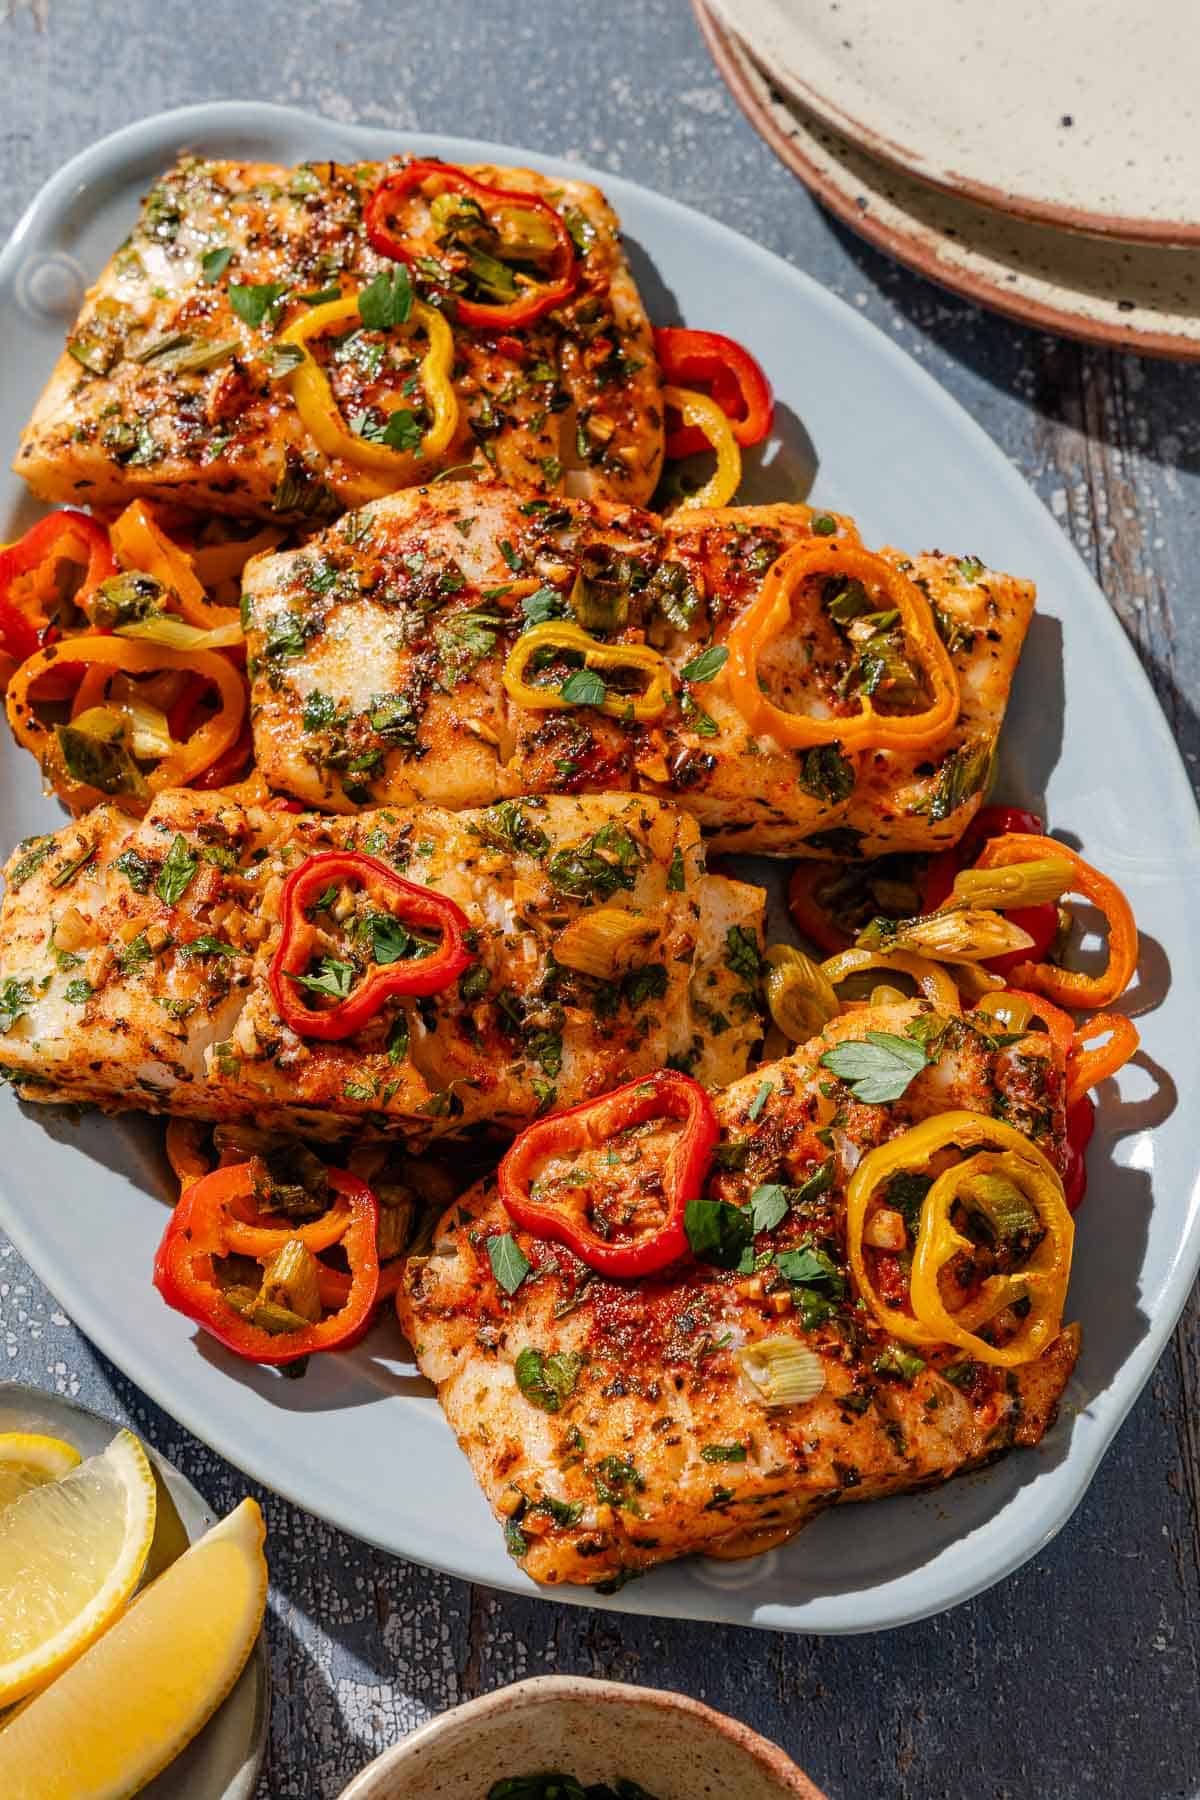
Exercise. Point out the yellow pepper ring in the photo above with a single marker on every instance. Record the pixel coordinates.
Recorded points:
(651, 704)
(1042, 1282)
(911, 1153)
(322, 417)
(932, 981)
(769, 617)
(698, 410)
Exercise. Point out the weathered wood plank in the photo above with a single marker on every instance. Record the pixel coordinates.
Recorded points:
(1079, 1675)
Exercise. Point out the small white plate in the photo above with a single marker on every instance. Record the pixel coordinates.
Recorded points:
(361, 1440)
(1141, 297)
(223, 1762)
(1084, 114)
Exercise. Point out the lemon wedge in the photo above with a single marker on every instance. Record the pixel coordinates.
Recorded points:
(135, 1699)
(28, 1460)
(71, 1552)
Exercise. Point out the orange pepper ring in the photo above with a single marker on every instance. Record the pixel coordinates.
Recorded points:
(249, 1238)
(769, 616)
(188, 1162)
(1071, 987)
(1087, 1068)
(190, 759)
(140, 543)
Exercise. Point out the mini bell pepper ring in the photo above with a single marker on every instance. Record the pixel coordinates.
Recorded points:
(769, 615)
(1039, 1287)
(938, 1241)
(30, 562)
(703, 415)
(1070, 987)
(199, 1230)
(381, 469)
(405, 900)
(541, 297)
(733, 377)
(93, 659)
(666, 1094)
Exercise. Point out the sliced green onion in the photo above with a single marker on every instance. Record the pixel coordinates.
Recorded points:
(149, 733)
(173, 633)
(967, 936)
(1009, 1210)
(1019, 884)
(799, 993)
(780, 1371)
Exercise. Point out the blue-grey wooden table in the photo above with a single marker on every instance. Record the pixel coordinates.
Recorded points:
(1076, 1678)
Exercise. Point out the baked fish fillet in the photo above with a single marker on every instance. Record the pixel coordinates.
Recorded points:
(134, 959)
(166, 390)
(377, 654)
(656, 1446)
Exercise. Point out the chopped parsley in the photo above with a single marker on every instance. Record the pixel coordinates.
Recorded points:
(138, 872)
(386, 301)
(260, 304)
(509, 1263)
(721, 1234)
(332, 977)
(879, 1069)
(176, 873)
(704, 667)
(547, 1381)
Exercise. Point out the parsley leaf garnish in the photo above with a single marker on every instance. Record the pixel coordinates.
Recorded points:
(710, 662)
(878, 1070)
(257, 305)
(509, 1263)
(333, 977)
(176, 873)
(768, 1205)
(386, 301)
(584, 688)
(547, 1381)
(721, 1234)
(214, 263)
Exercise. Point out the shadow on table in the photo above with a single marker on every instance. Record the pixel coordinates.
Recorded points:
(1168, 396)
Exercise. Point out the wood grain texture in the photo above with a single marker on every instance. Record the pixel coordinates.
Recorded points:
(1077, 1677)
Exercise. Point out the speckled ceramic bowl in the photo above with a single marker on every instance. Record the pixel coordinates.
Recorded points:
(594, 1730)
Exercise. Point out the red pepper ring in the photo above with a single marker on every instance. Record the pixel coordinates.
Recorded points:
(733, 377)
(65, 534)
(411, 904)
(185, 1277)
(18, 637)
(663, 1095)
(564, 270)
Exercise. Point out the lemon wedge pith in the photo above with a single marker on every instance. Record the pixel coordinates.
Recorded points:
(134, 1700)
(71, 1553)
(29, 1460)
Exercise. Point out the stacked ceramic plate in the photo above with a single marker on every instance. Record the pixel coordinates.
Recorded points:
(1042, 161)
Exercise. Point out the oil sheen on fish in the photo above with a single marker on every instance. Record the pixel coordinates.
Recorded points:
(378, 653)
(645, 1441)
(135, 957)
